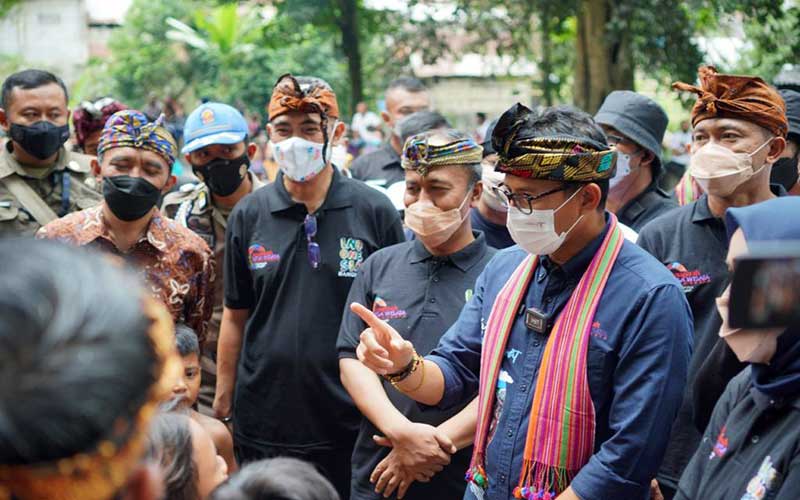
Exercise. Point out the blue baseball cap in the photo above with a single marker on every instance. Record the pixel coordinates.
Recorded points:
(213, 123)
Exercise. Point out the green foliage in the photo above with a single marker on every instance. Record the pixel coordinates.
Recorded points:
(6, 6)
(775, 42)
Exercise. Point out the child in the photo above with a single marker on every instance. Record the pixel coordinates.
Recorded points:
(187, 388)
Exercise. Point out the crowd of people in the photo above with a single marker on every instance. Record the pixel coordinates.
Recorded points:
(329, 329)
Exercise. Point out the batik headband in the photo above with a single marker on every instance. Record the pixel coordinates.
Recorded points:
(101, 472)
(131, 128)
(562, 158)
(421, 156)
(288, 95)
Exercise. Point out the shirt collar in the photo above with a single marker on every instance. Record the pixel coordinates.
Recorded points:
(703, 213)
(95, 227)
(339, 194)
(577, 265)
(464, 259)
(388, 157)
(635, 208)
(32, 172)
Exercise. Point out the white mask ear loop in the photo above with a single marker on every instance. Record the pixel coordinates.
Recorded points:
(576, 220)
(756, 172)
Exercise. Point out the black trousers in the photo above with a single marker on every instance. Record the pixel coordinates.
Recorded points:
(333, 463)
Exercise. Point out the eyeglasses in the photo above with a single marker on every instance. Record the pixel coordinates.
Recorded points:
(314, 252)
(522, 201)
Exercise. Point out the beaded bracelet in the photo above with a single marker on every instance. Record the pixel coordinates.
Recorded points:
(406, 372)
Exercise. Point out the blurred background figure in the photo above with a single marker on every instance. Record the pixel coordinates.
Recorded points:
(85, 359)
(88, 120)
(277, 478)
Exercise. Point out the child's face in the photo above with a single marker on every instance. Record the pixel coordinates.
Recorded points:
(188, 386)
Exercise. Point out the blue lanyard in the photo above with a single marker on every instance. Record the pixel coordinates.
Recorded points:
(65, 186)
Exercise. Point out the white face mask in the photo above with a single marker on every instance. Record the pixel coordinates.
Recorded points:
(536, 233)
(299, 159)
(623, 170)
(492, 179)
(719, 171)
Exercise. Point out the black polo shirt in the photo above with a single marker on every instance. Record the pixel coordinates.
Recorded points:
(693, 244)
(288, 391)
(750, 450)
(497, 236)
(650, 203)
(381, 166)
(420, 296)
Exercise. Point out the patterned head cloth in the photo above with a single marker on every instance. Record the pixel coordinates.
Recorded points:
(746, 98)
(90, 116)
(437, 148)
(130, 128)
(288, 95)
(559, 158)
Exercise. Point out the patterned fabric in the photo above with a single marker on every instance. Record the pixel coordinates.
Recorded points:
(130, 128)
(90, 117)
(560, 438)
(687, 190)
(559, 158)
(420, 155)
(740, 97)
(288, 95)
(176, 264)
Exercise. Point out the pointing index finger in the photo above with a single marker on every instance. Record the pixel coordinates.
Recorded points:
(377, 324)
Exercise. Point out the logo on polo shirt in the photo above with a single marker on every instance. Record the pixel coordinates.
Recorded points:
(386, 312)
(258, 257)
(721, 446)
(689, 279)
(598, 332)
(758, 487)
(351, 255)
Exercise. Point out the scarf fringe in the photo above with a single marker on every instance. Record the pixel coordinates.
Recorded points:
(542, 482)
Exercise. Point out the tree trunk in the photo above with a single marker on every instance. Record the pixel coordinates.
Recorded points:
(348, 24)
(546, 68)
(603, 59)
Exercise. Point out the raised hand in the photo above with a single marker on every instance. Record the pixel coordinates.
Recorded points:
(381, 349)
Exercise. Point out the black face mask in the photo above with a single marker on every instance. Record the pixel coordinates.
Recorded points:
(784, 172)
(130, 198)
(42, 139)
(223, 177)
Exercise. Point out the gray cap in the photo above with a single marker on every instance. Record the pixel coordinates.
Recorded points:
(639, 118)
(792, 100)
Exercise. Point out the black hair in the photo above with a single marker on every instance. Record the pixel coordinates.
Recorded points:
(29, 79)
(75, 355)
(481, 115)
(407, 83)
(170, 444)
(560, 121)
(419, 122)
(186, 340)
(276, 479)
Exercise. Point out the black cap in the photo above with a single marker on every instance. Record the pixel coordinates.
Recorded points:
(792, 100)
(638, 117)
(488, 149)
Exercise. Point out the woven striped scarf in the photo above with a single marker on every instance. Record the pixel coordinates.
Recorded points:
(560, 437)
(687, 190)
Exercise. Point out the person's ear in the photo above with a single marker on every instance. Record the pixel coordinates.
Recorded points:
(387, 119)
(776, 148)
(96, 170)
(171, 180)
(145, 483)
(590, 197)
(4, 120)
(647, 158)
(338, 132)
(252, 150)
(477, 192)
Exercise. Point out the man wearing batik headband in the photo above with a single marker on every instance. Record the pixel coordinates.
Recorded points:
(739, 128)
(576, 341)
(87, 358)
(431, 277)
(133, 165)
(292, 250)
